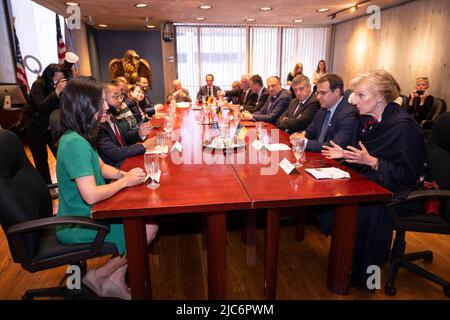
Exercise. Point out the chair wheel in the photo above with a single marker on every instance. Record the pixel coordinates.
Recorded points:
(446, 290)
(390, 290)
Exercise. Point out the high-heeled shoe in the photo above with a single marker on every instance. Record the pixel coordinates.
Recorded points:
(92, 281)
(112, 290)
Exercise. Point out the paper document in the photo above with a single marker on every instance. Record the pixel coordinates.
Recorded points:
(328, 173)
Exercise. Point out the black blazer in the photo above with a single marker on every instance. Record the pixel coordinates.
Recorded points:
(254, 104)
(303, 116)
(342, 128)
(273, 108)
(109, 148)
(204, 92)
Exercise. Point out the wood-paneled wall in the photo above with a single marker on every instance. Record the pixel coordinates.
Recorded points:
(7, 62)
(414, 40)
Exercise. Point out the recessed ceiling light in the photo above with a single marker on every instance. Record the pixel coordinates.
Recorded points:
(205, 7)
(150, 26)
(322, 10)
(250, 19)
(72, 4)
(265, 8)
(200, 19)
(103, 25)
(297, 20)
(141, 5)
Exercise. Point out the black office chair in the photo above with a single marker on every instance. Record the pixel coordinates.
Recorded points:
(439, 107)
(26, 218)
(438, 153)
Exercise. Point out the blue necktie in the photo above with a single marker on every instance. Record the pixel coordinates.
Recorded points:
(326, 122)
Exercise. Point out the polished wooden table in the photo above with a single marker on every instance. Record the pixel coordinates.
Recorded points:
(300, 190)
(196, 181)
(190, 187)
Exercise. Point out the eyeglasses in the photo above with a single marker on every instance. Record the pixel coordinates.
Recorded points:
(322, 93)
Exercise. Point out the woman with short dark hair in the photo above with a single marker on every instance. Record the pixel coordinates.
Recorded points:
(81, 181)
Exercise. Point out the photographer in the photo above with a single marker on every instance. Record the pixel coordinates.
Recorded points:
(420, 102)
(44, 98)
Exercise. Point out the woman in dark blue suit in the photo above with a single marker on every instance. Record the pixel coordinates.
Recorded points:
(390, 151)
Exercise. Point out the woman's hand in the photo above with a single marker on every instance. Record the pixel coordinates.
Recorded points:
(333, 152)
(134, 177)
(362, 156)
(60, 86)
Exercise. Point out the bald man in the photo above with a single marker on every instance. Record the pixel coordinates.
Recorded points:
(179, 93)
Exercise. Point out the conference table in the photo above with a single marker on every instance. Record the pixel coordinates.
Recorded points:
(215, 183)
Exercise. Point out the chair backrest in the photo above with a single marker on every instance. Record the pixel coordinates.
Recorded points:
(439, 107)
(438, 153)
(23, 193)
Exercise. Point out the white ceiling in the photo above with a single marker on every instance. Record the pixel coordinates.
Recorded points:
(123, 15)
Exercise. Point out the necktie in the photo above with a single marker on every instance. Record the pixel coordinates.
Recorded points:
(295, 115)
(326, 122)
(272, 99)
(116, 132)
(211, 93)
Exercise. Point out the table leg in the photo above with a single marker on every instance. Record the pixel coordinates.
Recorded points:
(138, 266)
(301, 222)
(217, 255)
(271, 258)
(341, 249)
(248, 234)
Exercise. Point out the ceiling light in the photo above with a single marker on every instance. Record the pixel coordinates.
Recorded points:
(141, 5)
(265, 8)
(200, 19)
(205, 7)
(103, 25)
(353, 9)
(322, 10)
(250, 19)
(150, 26)
(298, 20)
(72, 4)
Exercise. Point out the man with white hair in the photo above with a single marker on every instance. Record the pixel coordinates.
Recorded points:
(178, 93)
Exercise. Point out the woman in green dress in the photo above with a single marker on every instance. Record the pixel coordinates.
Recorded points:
(81, 173)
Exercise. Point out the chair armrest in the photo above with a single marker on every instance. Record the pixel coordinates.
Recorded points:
(55, 221)
(421, 195)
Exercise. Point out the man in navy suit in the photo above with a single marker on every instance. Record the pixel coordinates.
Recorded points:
(302, 109)
(258, 96)
(336, 120)
(115, 145)
(275, 105)
(209, 89)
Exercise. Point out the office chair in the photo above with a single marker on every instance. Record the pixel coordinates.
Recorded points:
(438, 154)
(439, 107)
(26, 218)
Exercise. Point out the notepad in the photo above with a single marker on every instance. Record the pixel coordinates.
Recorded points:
(328, 173)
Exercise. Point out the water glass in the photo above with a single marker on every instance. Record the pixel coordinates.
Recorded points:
(162, 141)
(298, 148)
(151, 164)
(259, 127)
(168, 125)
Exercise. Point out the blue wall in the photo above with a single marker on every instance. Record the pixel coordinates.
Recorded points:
(113, 44)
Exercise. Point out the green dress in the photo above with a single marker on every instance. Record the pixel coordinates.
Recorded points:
(75, 159)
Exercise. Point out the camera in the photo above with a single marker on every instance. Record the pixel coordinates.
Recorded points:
(420, 92)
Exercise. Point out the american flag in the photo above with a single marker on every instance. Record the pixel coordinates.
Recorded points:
(60, 42)
(213, 132)
(20, 69)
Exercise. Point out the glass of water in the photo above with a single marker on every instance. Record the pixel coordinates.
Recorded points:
(162, 141)
(151, 163)
(298, 148)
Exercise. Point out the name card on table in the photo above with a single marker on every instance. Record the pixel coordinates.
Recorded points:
(258, 145)
(277, 147)
(177, 147)
(157, 176)
(328, 173)
(288, 167)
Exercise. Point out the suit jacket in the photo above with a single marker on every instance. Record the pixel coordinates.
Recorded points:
(302, 118)
(109, 148)
(238, 96)
(179, 98)
(273, 108)
(254, 104)
(203, 92)
(342, 128)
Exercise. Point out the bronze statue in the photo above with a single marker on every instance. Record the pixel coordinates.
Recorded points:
(130, 67)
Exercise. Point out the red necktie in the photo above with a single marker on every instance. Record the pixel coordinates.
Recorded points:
(116, 132)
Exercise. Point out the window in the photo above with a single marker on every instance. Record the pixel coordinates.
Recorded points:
(265, 51)
(36, 30)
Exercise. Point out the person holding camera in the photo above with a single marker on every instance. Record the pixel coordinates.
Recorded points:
(420, 102)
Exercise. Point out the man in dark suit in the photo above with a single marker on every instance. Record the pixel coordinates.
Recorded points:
(336, 120)
(242, 95)
(302, 109)
(209, 89)
(258, 96)
(275, 106)
(115, 145)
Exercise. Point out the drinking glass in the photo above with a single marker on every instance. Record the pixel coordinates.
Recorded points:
(162, 141)
(151, 163)
(298, 147)
(259, 126)
(203, 100)
(168, 125)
